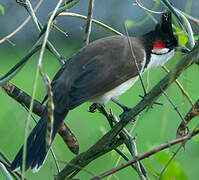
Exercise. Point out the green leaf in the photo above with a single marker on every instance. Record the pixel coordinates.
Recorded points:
(196, 37)
(173, 171)
(2, 10)
(182, 37)
(158, 162)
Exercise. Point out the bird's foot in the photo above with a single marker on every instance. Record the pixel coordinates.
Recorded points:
(124, 113)
(92, 108)
(125, 108)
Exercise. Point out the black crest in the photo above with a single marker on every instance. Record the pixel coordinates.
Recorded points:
(166, 25)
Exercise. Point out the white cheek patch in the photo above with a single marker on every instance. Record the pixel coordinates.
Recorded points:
(158, 60)
(160, 51)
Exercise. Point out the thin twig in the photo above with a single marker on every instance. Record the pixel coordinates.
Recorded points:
(4, 157)
(182, 19)
(5, 172)
(139, 71)
(146, 9)
(188, 29)
(170, 160)
(147, 16)
(193, 112)
(130, 143)
(6, 164)
(89, 21)
(11, 73)
(39, 66)
(78, 167)
(121, 155)
(16, 174)
(28, 7)
(176, 109)
(181, 88)
(193, 19)
(21, 26)
(93, 20)
(67, 5)
(38, 26)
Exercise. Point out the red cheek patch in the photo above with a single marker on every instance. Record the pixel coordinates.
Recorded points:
(158, 45)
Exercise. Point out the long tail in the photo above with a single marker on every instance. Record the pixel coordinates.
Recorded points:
(36, 151)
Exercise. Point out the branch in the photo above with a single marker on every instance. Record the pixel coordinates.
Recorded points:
(8, 168)
(89, 21)
(180, 87)
(21, 26)
(182, 19)
(27, 5)
(193, 112)
(93, 20)
(146, 9)
(191, 18)
(129, 141)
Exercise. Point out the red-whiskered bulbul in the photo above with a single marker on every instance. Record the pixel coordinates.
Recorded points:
(99, 72)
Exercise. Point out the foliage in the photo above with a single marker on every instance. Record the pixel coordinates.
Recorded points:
(182, 36)
(1, 10)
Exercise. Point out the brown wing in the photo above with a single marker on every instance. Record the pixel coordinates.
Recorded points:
(110, 64)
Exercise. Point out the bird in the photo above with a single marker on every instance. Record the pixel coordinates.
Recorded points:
(99, 72)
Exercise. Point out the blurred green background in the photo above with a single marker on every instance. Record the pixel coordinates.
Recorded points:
(152, 128)
(155, 127)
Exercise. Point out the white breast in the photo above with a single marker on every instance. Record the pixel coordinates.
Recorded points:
(114, 93)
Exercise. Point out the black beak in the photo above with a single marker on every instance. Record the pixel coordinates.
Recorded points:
(183, 49)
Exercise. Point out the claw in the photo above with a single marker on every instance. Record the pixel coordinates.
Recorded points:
(124, 113)
(125, 108)
(92, 108)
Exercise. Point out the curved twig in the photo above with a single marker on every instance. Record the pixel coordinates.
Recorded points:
(180, 87)
(93, 20)
(146, 9)
(182, 19)
(21, 26)
(89, 22)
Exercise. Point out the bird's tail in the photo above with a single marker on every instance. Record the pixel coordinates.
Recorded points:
(36, 151)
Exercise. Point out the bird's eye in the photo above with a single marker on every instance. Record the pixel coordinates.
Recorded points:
(167, 41)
